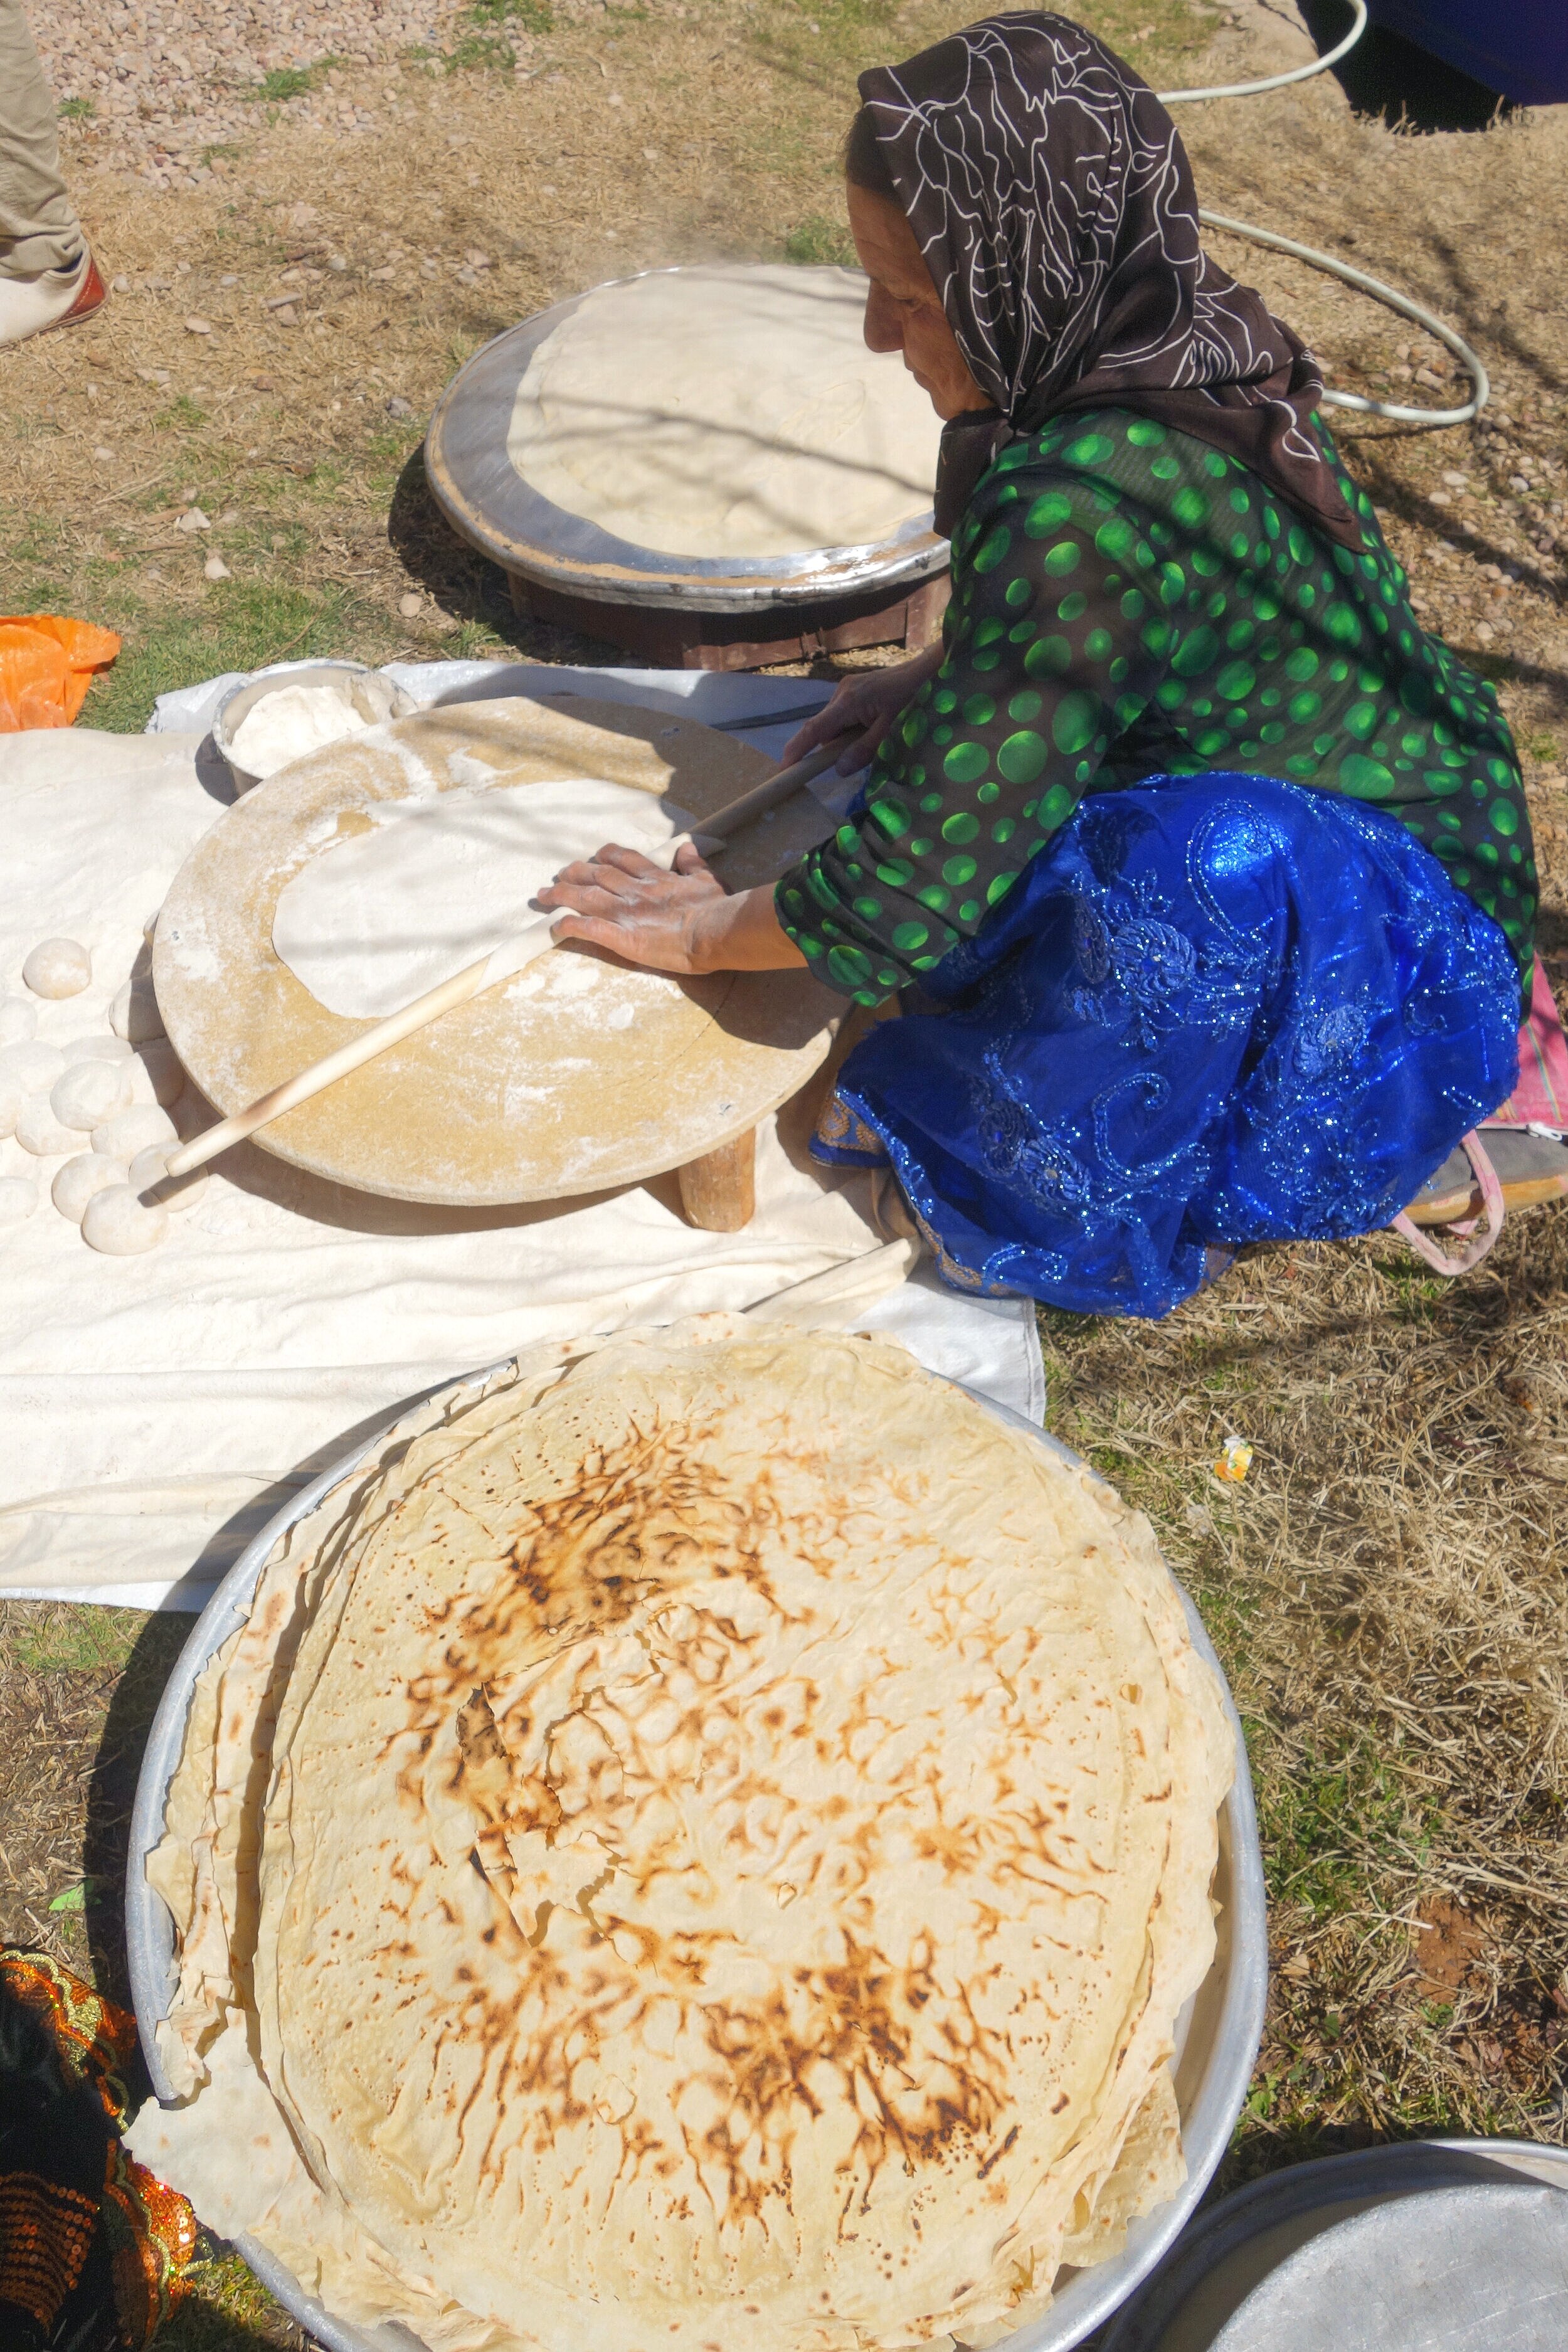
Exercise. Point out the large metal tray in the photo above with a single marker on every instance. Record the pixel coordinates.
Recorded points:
(1425, 2269)
(1216, 2036)
(486, 502)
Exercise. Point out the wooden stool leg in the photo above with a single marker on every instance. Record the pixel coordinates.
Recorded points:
(718, 1192)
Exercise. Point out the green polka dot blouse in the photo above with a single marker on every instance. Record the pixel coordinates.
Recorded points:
(1128, 602)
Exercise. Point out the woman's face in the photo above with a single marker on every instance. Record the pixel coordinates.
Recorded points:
(903, 310)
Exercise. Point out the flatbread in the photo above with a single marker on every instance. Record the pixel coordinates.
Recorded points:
(425, 886)
(726, 411)
(737, 1838)
(229, 2144)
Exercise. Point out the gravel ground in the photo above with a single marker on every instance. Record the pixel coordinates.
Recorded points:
(154, 89)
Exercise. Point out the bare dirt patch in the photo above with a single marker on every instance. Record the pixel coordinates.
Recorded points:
(1449, 1949)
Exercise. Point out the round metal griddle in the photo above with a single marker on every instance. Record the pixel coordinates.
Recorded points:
(512, 1096)
(488, 503)
(1218, 2034)
(1448, 2245)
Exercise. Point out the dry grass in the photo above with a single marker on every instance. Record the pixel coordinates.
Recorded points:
(1387, 1588)
(1387, 1591)
(78, 1690)
(723, 143)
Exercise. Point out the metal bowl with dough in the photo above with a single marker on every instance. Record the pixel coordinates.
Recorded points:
(507, 1098)
(1218, 2034)
(378, 697)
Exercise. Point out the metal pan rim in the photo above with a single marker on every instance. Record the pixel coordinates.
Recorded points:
(1284, 2196)
(575, 557)
(1087, 2299)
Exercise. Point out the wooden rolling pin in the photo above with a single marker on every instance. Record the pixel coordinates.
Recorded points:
(531, 941)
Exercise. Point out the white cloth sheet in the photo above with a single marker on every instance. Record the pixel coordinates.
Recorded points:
(158, 1410)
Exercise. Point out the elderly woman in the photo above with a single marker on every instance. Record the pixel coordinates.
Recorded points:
(1206, 872)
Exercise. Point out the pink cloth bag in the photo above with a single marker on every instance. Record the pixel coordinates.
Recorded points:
(1539, 1103)
(1540, 1097)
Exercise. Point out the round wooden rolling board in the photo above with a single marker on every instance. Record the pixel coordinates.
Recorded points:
(580, 1073)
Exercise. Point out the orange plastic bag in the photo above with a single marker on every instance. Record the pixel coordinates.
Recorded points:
(46, 668)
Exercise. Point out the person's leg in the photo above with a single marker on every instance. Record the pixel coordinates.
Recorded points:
(46, 274)
(1049, 1131)
(1216, 1010)
(38, 230)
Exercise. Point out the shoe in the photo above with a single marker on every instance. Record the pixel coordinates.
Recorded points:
(58, 297)
(1529, 1168)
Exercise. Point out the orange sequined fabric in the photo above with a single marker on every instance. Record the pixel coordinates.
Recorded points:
(49, 2229)
(45, 2233)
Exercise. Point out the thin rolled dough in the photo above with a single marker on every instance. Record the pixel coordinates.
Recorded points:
(726, 410)
(435, 883)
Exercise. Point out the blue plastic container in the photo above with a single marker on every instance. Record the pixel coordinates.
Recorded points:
(1518, 48)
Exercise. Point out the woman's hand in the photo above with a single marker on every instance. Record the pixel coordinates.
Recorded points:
(863, 709)
(681, 922)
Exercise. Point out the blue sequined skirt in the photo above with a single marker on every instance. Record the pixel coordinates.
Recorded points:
(1217, 1009)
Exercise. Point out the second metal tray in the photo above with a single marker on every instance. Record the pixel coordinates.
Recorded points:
(488, 503)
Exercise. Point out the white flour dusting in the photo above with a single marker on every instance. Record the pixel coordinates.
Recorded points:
(422, 780)
(193, 950)
(558, 978)
(468, 769)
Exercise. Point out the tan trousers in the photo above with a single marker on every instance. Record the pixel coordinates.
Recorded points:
(38, 230)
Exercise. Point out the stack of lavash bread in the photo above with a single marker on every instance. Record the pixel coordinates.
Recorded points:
(701, 1843)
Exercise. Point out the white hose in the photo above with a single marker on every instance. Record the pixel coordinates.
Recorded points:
(1433, 418)
(1277, 82)
(1481, 386)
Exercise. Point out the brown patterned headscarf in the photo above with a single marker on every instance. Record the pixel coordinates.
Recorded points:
(1051, 196)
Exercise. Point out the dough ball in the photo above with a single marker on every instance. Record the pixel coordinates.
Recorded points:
(11, 1100)
(147, 1174)
(90, 1093)
(18, 1019)
(131, 1131)
(41, 1133)
(121, 1225)
(134, 1013)
(76, 1183)
(32, 1065)
(96, 1049)
(57, 968)
(161, 1069)
(18, 1199)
